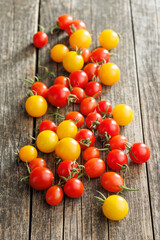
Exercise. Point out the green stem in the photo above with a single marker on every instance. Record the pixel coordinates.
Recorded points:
(55, 27)
(128, 189)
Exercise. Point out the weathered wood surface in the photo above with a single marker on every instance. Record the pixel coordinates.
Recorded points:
(25, 214)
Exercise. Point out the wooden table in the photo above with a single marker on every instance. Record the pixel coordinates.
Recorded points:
(25, 215)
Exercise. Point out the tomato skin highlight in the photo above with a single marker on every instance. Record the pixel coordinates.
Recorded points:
(108, 126)
(75, 116)
(78, 79)
(63, 21)
(85, 54)
(141, 153)
(111, 181)
(85, 134)
(39, 88)
(88, 105)
(64, 168)
(91, 152)
(74, 188)
(41, 178)
(40, 39)
(37, 162)
(47, 125)
(58, 95)
(94, 167)
(92, 88)
(54, 195)
(116, 157)
(118, 142)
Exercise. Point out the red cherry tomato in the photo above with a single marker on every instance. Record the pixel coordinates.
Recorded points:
(108, 128)
(94, 167)
(88, 105)
(79, 93)
(64, 168)
(63, 21)
(104, 108)
(41, 178)
(91, 69)
(118, 142)
(74, 188)
(40, 88)
(61, 80)
(93, 120)
(93, 88)
(40, 39)
(112, 181)
(76, 117)
(74, 26)
(85, 138)
(47, 125)
(78, 79)
(54, 195)
(99, 55)
(139, 153)
(91, 152)
(37, 162)
(85, 54)
(58, 95)
(115, 158)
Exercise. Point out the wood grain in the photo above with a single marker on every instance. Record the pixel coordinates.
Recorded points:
(18, 24)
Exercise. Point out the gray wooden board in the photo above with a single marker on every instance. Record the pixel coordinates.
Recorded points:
(18, 24)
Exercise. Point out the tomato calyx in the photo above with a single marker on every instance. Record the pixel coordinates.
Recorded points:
(127, 189)
(55, 27)
(72, 98)
(105, 138)
(29, 171)
(47, 73)
(78, 51)
(94, 78)
(124, 167)
(57, 115)
(85, 142)
(41, 28)
(94, 124)
(129, 148)
(105, 114)
(100, 199)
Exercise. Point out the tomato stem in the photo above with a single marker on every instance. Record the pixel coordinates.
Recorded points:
(128, 189)
(85, 142)
(47, 73)
(55, 27)
(72, 98)
(41, 28)
(96, 94)
(102, 149)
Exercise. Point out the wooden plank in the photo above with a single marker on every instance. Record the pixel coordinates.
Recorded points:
(18, 23)
(145, 17)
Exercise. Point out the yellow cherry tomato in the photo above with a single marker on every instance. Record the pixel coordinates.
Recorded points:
(122, 114)
(80, 39)
(27, 153)
(115, 207)
(109, 74)
(36, 106)
(108, 39)
(68, 149)
(46, 141)
(72, 61)
(58, 52)
(66, 128)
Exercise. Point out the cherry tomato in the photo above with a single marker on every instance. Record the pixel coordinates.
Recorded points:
(80, 39)
(68, 149)
(139, 153)
(93, 88)
(93, 119)
(108, 128)
(40, 39)
(94, 167)
(79, 93)
(74, 188)
(72, 61)
(112, 181)
(108, 39)
(75, 116)
(104, 108)
(61, 80)
(54, 195)
(47, 125)
(100, 55)
(115, 158)
(64, 168)
(115, 207)
(41, 178)
(36, 106)
(74, 26)
(85, 54)
(37, 162)
(78, 79)
(63, 21)
(58, 95)
(109, 74)
(88, 105)
(46, 141)
(118, 142)
(58, 52)
(92, 70)
(40, 89)
(122, 114)
(67, 128)
(27, 153)
(91, 152)
(85, 138)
